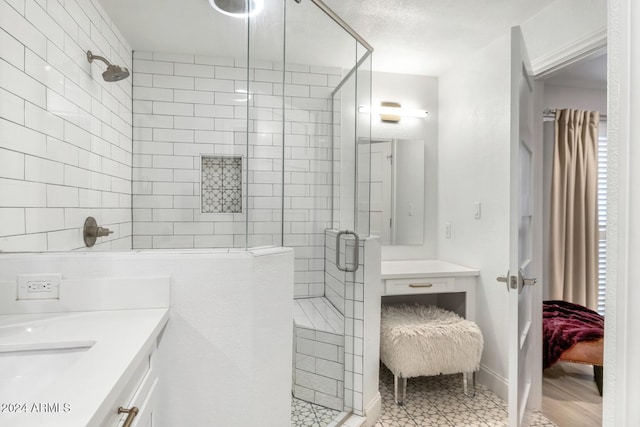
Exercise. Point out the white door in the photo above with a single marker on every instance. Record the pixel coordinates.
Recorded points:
(522, 268)
(381, 190)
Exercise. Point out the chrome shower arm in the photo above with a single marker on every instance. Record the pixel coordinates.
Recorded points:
(91, 57)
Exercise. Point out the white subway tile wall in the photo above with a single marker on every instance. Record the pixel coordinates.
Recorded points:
(187, 106)
(318, 374)
(65, 133)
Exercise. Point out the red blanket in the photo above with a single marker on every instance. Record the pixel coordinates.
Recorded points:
(564, 324)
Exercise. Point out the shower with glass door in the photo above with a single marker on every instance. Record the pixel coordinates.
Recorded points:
(260, 148)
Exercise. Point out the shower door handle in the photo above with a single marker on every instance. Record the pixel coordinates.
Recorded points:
(356, 252)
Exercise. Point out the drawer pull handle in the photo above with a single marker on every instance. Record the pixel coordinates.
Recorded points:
(421, 285)
(131, 415)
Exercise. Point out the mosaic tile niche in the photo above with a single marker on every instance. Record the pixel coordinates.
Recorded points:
(221, 184)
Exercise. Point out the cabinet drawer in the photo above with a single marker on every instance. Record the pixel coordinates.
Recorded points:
(432, 285)
(136, 381)
(145, 401)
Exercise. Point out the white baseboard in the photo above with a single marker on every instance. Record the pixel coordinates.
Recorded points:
(494, 382)
(373, 410)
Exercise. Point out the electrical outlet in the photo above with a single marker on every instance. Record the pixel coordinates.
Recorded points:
(39, 286)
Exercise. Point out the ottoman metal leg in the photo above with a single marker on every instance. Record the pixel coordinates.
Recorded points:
(399, 388)
(469, 389)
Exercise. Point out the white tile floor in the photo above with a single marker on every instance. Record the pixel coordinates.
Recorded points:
(305, 414)
(439, 401)
(430, 401)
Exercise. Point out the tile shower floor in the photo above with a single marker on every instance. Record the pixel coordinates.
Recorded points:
(305, 414)
(430, 401)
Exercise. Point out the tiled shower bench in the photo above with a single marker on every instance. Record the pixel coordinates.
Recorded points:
(318, 354)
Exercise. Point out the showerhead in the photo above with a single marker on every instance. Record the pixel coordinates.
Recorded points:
(113, 73)
(238, 8)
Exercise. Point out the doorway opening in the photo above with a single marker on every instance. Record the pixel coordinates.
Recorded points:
(570, 395)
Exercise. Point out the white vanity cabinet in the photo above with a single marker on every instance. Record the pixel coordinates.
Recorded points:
(140, 392)
(449, 285)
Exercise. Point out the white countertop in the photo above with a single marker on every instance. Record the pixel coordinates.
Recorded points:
(118, 340)
(405, 269)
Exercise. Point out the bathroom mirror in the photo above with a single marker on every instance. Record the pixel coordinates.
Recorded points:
(397, 191)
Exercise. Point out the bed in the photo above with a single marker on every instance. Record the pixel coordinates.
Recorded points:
(573, 333)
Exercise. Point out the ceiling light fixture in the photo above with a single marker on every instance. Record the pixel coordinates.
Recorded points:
(392, 111)
(238, 8)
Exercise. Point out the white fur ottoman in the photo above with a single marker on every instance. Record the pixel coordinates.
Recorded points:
(420, 340)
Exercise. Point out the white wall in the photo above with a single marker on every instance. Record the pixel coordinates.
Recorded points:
(228, 342)
(474, 156)
(473, 166)
(65, 134)
(558, 97)
(412, 92)
(576, 24)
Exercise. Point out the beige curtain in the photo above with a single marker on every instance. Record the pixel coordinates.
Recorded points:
(573, 240)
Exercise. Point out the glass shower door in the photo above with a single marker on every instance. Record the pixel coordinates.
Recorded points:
(326, 189)
(351, 212)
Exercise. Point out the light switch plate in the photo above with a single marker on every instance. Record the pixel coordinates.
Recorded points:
(447, 230)
(477, 210)
(39, 286)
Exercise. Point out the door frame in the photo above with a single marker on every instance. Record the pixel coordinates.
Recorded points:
(621, 391)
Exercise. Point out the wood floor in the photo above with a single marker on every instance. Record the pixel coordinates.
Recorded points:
(570, 396)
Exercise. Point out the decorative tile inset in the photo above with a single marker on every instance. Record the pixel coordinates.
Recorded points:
(231, 201)
(221, 185)
(231, 172)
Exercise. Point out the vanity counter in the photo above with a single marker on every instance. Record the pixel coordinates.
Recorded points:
(71, 369)
(414, 269)
(440, 280)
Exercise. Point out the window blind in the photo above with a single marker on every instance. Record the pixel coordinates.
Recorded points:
(602, 217)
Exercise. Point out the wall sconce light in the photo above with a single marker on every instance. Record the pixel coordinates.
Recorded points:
(392, 112)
